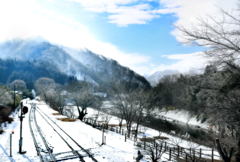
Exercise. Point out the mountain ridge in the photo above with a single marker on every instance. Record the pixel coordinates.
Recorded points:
(83, 64)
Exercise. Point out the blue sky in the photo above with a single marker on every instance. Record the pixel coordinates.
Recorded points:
(140, 34)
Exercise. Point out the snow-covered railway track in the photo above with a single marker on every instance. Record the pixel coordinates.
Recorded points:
(42, 147)
(71, 143)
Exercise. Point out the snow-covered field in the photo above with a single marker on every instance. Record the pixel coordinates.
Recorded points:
(148, 132)
(90, 138)
(183, 117)
(115, 149)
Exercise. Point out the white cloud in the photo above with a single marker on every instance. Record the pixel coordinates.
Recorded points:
(126, 12)
(27, 19)
(138, 14)
(103, 5)
(185, 63)
(188, 12)
(123, 12)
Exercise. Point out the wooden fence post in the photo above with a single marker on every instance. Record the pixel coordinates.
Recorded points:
(212, 155)
(177, 151)
(144, 143)
(102, 136)
(194, 154)
(200, 154)
(170, 153)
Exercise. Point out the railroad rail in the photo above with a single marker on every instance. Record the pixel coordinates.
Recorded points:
(81, 154)
(42, 147)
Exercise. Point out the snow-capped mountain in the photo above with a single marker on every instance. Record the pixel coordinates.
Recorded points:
(157, 76)
(83, 64)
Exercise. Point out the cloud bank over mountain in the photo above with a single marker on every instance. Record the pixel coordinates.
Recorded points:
(27, 19)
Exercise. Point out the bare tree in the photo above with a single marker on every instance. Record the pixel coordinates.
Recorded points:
(42, 85)
(18, 85)
(51, 97)
(156, 151)
(52, 94)
(140, 102)
(130, 106)
(123, 103)
(105, 117)
(83, 99)
(5, 96)
(97, 114)
(117, 113)
(221, 37)
(4, 114)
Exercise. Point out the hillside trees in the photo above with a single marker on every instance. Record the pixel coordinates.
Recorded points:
(168, 92)
(206, 98)
(221, 37)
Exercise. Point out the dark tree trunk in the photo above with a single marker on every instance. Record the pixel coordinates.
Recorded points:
(223, 152)
(237, 155)
(129, 126)
(61, 110)
(120, 124)
(81, 113)
(136, 131)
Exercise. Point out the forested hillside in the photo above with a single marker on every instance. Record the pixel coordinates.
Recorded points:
(82, 64)
(11, 70)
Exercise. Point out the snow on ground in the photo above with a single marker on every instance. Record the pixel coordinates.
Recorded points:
(115, 149)
(148, 132)
(182, 116)
(27, 142)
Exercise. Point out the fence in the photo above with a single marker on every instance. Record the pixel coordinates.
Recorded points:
(174, 151)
